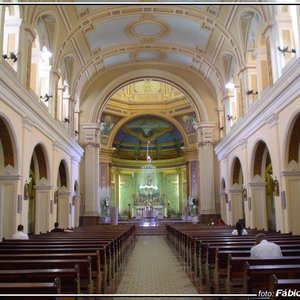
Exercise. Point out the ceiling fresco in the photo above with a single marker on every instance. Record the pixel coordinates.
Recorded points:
(130, 141)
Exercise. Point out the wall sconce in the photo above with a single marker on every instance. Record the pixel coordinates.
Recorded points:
(230, 118)
(286, 50)
(46, 97)
(251, 92)
(66, 120)
(11, 56)
(76, 132)
(221, 128)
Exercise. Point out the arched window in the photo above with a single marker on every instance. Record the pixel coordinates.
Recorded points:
(41, 60)
(12, 23)
(63, 98)
(287, 27)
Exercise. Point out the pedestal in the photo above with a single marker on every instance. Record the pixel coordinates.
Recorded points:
(113, 211)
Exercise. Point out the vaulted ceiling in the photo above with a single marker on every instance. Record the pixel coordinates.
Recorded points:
(205, 39)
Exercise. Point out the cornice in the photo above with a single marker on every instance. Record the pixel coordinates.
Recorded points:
(32, 112)
(267, 107)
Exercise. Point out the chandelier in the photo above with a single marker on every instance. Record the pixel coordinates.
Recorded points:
(148, 185)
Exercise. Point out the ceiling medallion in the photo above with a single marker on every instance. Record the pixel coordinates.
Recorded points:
(147, 55)
(145, 29)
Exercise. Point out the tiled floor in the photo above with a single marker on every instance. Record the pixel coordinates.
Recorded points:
(154, 269)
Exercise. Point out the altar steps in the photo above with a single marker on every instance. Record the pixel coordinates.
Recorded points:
(151, 230)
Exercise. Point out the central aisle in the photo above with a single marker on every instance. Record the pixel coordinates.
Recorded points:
(153, 269)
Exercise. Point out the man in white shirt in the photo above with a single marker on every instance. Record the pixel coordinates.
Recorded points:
(20, 235)
(265, 249)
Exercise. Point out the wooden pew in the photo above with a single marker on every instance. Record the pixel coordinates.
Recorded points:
(211, 269)
(278, 287)
(51, 288)
(70, 280)
(98, 276)
(111, 256)
(86, 282)
(235, 270)
(257, 277)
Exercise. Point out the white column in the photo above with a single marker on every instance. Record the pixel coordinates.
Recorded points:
(64, 207)
(206, 168)
(42, 210)
(235, 195)
(91, 172)
(258, 205)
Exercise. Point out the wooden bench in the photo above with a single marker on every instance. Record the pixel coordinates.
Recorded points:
(98, 277)
(257, 277)
(53, 250)
(51, 288)
(278, 286)
(235, 270)
(85, 272)
(211, 267)
(70, 280)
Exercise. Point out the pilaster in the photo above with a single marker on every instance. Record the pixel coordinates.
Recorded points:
(206, 168)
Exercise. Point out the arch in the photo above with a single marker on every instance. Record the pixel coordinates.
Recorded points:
(46, 25)
(293, 141)
(133, 76)
(261, 159)
(8, 147)
(41, 163)
(123, 121)
(38, 174)
(263, 197)
(67, 68)
(291, 165)
(45, 30)
(237, 172)
(249, 21)
(63, 175)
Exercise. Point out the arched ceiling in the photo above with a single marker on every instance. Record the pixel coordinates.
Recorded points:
(148, 111)
(194, 37)
(190, 36)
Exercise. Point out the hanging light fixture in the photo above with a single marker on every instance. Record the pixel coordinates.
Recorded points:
(148, 157)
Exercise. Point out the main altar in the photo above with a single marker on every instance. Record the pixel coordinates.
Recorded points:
(145, 207)
(148, 203)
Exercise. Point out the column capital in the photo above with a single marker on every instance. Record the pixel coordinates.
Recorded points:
(206, 130)
(91, 133)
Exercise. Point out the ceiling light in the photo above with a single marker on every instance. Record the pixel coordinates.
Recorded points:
(229, 85)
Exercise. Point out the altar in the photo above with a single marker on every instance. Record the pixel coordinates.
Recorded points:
(142, 211)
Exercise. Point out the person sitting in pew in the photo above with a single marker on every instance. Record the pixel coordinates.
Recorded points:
(264, 248)
(20, 235)
(239, 229)
(57, 228)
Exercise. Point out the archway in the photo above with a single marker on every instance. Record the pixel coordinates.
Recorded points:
(237, 206)
(8, 179)
(262, 189)
(64, 205)
(165, 134)
(38, 216)
(292, 175)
